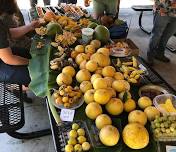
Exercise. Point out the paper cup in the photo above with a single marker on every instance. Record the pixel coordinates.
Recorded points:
(87, 34)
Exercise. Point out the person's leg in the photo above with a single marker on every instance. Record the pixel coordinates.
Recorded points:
(112, 7)
(160, 23)
(98, 8)
(20, 76)
(168, 32)
(33, 3)
(46, 2)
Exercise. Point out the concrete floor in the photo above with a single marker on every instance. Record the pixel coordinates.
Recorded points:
(36, 113)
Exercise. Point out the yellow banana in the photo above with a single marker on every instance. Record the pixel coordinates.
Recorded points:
(132, 80)
(137, 76)
(140, 71)
(127, 63)
(131, 68)
(133, 74)
(125, 69)
(119, 64)
(134, 62)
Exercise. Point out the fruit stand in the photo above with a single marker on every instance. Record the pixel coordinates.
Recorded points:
(101, 80)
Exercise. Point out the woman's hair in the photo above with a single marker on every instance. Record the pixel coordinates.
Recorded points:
(8, 6)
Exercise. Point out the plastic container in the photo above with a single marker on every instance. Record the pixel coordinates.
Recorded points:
(87, 34)
(151, 91)
(160, 100)
(66, 127)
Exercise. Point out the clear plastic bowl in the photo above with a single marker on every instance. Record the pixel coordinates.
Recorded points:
(161, 99)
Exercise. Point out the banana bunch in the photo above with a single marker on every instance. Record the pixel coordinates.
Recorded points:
(41, 30)
(62, 20)
(56, 63)
(66, 39)
(84, 22)
(67, 23)
(130, 70)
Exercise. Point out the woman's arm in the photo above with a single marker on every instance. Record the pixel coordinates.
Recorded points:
(7, 57)
(22, 30)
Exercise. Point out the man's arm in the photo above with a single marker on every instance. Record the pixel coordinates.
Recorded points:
(7, 57)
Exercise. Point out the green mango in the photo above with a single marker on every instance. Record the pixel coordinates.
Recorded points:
(53, 29)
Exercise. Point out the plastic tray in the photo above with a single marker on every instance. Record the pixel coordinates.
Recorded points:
(66, 127)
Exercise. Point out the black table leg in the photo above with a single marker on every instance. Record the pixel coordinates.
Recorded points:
(140, 24)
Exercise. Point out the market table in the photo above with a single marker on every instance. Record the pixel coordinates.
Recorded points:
(44, 80)
(153, 77)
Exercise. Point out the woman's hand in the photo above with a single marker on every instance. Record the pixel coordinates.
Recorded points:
(34, 24)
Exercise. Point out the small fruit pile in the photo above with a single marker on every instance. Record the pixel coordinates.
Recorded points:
(77, 141)
(164, 126)
(130, 69)
(67, 96)
(99, 82)
(66, 39)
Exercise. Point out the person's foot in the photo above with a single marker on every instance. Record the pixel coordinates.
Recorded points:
(162, 58)
(26, 98)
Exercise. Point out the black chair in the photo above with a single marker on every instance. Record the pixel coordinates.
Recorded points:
(12, 112)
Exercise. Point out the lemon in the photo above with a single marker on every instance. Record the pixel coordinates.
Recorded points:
(144, 102)
(72, 141)
(73, 133)
(129, 105)
(81, 132)
(75, 126)
(68, 148)
(78, 148)
(85, 146)
(81, 139)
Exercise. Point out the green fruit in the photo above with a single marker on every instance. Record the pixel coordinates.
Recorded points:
(73, 134)
(102, 34)
(92, 25)
(68, 148)
(75, 126)
(53, 29)
(77, 148)
(157, 125)
(81, 139)
(81, 132)
(85, 146)
(72, 141)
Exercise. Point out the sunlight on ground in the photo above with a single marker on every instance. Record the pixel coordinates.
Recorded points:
(24, 4)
